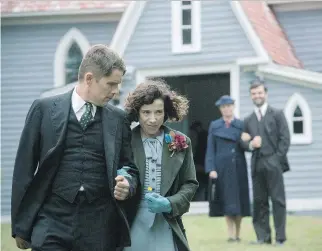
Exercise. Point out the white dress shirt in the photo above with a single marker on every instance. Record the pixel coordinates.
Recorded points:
(78, 105)
(260, 113)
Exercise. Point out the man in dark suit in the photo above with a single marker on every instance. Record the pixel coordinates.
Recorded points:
(269, 136)
(66, 194)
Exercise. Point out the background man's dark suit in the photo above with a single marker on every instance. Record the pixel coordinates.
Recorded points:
(42, 145)
(268, 164)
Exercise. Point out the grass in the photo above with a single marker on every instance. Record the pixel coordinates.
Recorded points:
(209, 234)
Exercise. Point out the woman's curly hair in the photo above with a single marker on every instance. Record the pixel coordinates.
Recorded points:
(175, 106)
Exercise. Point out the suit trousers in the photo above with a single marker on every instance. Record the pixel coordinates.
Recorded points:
(268, 182)
(80, 226)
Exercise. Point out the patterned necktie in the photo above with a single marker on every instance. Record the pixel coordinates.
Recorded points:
(87, 116)
(260, 116)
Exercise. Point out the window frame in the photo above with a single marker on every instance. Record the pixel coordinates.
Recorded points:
(177, 27)
(68, 57)
(297, 100)
(73, 35)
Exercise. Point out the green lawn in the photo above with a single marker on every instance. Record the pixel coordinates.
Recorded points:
(208, 234)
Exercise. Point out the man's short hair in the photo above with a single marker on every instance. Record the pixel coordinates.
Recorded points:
(101, 61)
(256, 83)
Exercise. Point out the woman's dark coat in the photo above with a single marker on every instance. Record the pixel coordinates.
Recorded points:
(225, 155)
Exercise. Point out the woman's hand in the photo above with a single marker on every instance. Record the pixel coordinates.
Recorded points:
(213, 175)
(245, 137)
(157, 203)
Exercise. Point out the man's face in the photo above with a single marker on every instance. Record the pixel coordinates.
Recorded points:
(227, 110)
(102, 91)
(151, 118)
(258, 95)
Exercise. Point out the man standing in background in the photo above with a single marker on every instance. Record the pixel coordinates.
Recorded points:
(270, 140)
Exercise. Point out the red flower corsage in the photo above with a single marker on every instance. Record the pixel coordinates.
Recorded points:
(176, 142)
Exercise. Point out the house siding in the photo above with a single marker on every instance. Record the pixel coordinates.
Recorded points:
(304, 179)
(28, 54)
(222, 38)
(304, 30)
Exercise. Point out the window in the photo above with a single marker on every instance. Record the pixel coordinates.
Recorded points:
(299, 118)
(186, 22)
(73, 61)
(298, 121)
(186, 30)
(68, 56)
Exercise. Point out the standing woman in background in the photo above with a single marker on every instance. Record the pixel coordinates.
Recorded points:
(226, 162)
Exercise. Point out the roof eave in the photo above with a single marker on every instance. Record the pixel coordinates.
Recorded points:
(283, 1)
(62, 12)
(301, 76)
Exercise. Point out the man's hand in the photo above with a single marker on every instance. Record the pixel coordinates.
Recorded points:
(122, 188)
(245, 136)
(22, 244)
(213, 175)
(256, 142)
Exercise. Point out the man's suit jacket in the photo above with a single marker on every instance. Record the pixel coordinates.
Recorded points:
(276, 130)
(41, 148)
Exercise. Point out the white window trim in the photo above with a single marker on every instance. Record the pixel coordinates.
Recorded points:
(177, 46)
(73, 35)
(297, 100)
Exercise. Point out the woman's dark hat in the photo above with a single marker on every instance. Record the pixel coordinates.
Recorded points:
(225, 100)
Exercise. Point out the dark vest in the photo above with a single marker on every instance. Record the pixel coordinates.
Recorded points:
(266, 148)
(83, 162)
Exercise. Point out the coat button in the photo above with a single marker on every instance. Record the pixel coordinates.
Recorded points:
(232, 150)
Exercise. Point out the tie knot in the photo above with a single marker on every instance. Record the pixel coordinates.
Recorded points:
(88, 106)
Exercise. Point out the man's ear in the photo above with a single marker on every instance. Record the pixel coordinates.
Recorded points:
(88, 78)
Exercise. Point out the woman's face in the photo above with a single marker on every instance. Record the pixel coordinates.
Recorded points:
(151, 118)
(227, 110)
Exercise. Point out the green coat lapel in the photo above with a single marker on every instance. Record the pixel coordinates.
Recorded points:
(170, 165)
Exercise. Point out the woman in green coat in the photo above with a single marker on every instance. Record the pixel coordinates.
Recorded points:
(167, 172)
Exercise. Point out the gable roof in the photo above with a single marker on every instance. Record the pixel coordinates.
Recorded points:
(273, 41)
(270, 33)
(268, 38)
(23, 8)
(261, 28)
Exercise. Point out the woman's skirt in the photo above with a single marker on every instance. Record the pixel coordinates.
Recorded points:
(150, 232)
